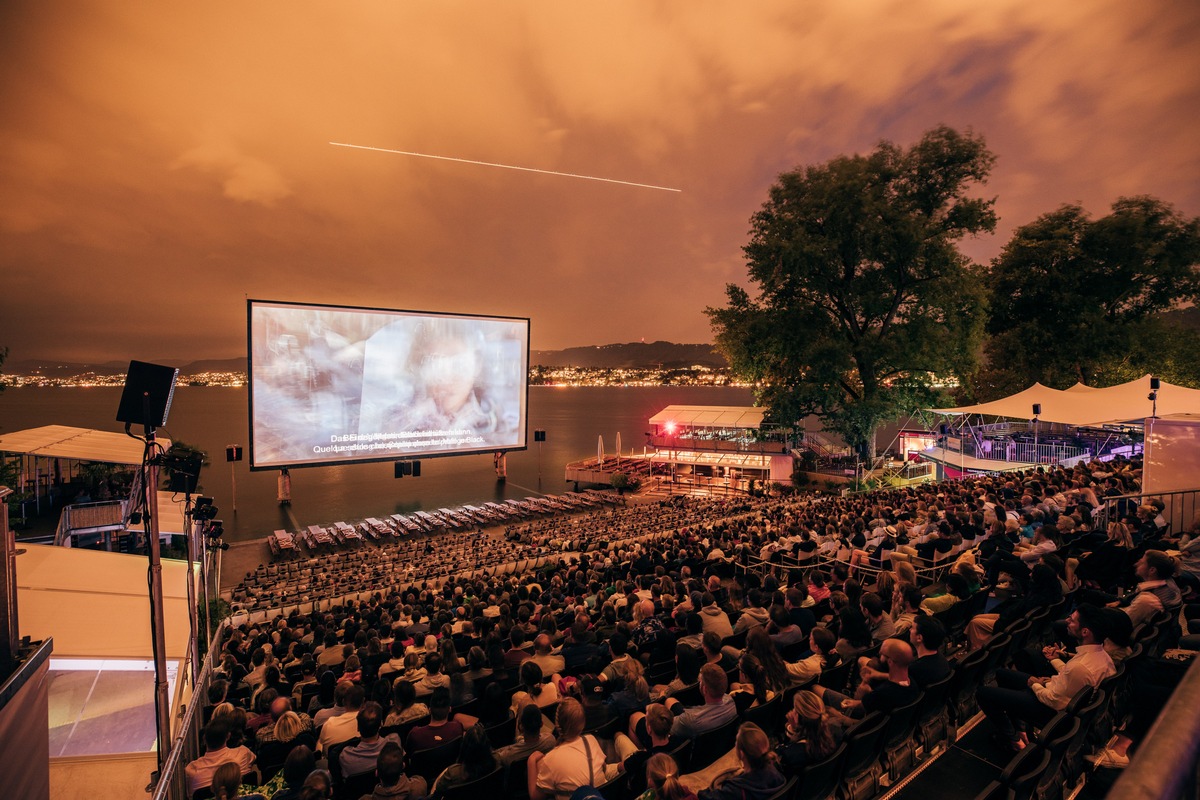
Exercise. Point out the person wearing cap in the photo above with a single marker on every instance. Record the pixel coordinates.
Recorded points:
(1018, 698)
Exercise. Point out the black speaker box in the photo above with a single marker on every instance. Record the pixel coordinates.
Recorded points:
(149, 388)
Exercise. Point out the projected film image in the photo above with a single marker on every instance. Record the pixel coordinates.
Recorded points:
(334, 384)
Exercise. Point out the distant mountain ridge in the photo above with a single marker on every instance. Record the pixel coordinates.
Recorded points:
(632, 355)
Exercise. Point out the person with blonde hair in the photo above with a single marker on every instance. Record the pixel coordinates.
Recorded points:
(577, 760)
(812, 732)
(662, 780)
(758, 776)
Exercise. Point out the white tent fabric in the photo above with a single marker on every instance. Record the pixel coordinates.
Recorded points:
(96, 604)
(711, 416)
(1083, 406)
(79, 444)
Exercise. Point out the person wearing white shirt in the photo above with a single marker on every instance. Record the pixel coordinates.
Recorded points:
(1018, 699)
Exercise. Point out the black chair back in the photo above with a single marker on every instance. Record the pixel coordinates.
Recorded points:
(615, 788)
(711, 745)
(768, 716)
(863, 746)
(837, 677)
(782, 792)
(430, 762)
(820, 780)
(502, 733)
(487, 786)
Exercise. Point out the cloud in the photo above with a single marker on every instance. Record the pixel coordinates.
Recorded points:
(243, 177)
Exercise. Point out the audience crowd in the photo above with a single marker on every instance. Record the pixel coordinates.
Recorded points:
(687, 648)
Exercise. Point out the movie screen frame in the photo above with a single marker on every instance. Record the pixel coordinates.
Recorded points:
(337, 384)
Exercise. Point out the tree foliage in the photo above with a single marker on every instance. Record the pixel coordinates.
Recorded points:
(863, 295)
(1079, 299)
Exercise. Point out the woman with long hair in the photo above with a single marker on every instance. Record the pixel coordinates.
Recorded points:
(775, 671)
(662, 780)
(533, 690)
(475, 760)
(812, 733)
(227, 783)
(751, 690)
(759, 776)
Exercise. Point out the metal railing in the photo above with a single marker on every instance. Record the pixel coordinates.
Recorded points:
(1179, 508)
(185, 746)
(1041, 453)
(1166, 763)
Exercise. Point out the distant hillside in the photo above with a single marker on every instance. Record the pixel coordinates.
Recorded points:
(67, 369)
(633, 354)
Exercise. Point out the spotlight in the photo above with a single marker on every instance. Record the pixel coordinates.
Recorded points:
(205, 513)
(135, 518)
(216, 530)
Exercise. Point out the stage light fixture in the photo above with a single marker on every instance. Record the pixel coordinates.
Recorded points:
(135, 518)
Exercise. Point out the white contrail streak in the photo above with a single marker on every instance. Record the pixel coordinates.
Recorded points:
(506, 166)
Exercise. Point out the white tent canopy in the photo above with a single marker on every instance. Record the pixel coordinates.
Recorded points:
(711, 417)
(79, 444)
(97, 604)
(1088, 406)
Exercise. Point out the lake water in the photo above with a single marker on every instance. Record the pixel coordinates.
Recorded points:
(211, 418)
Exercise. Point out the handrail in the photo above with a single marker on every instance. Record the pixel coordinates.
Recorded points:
(1164, 767)
(171, 783)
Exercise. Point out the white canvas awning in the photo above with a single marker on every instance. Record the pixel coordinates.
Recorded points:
(739, 417)
(96, 604)
(1089, 406)
(79, 444)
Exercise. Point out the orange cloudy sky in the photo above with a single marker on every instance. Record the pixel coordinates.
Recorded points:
(162, 161)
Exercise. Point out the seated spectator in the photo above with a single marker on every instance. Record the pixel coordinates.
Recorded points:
(544, 656)
(405, 707)
(227, 784)
(475, 760)
(440, 730)
(352, 670)
(655, 731)
(295, 724)
(200, 771)
(1044, 590)
(288, 782)
(393, 783)
(533, 689)
(853, 634)
(892, 691)
(596, 712)
(812, 732)
(715, 654)
(957, 590)
(759, 776)
(516, 653)
(1019, 699)
(634, 694)
(782, 630)
(687, 671)
(662, 780)
(753, 614)
(714, 617)
(577, 760)
(718, 707)
(345, 725)
(927, 636)
(878, 620)
(329, 699)
(434, 677)
(751, 689)
(535, 737)
(360, 757)
(823, 655)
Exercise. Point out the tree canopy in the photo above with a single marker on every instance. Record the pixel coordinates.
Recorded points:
(863, 296)
(1079, 299)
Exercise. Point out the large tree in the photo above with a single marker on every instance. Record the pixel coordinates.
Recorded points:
(1079, 299)
(862, 294)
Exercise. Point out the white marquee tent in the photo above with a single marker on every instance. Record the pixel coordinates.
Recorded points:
(1084, 406)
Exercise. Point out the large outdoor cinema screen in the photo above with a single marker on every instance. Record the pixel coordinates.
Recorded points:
(333, 384)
